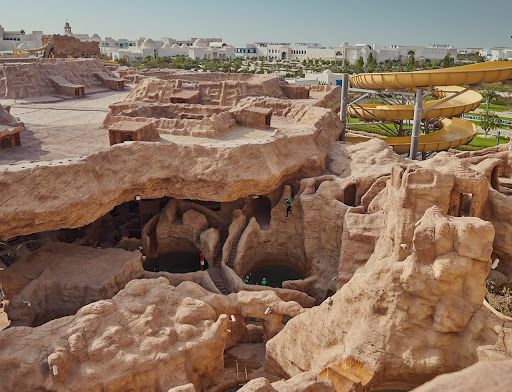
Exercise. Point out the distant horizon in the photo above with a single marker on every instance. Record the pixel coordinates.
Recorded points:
(327, 22)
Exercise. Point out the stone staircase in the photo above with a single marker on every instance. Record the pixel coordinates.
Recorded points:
(218, 278)
(232, 254)
(216, 272)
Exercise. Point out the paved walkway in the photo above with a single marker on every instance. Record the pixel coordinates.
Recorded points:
(61, 129)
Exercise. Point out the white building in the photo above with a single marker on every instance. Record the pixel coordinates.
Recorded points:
(19, 39)
(496, 54)
(402, 52)
(314, 78)
(202, 49)
(195, 48)
(345, 52)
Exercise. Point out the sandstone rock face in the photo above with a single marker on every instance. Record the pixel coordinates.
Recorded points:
(210, 243)
(303, 382)
(10, 127)
(6, 118)
(307, 241)
(31, 79)
(225, 92)
(185, 169)
(175, 233)
(414, 310)
(59, 278)
(149, 336)
(489, 376)
(124, 342)
(68, 46)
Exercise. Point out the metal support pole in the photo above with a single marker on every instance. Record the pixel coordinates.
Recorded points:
(418, 105)
(344, 104)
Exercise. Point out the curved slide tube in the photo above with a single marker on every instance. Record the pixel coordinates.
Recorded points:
(454, 132)
(463, 103)
(473, 74)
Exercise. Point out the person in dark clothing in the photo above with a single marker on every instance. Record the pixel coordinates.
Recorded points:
(288, 203)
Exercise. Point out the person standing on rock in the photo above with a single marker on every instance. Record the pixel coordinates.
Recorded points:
(288, 203)
(264, 282)
(247, 279)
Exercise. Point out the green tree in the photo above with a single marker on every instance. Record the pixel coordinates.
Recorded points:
(490, 121)
(411, 61)
(488, 95)
(371, 63)
(359, 65)
(448, 61)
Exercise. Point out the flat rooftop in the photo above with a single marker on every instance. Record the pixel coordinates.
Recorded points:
(59, 128)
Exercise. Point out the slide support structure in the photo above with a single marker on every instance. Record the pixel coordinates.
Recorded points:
(418, 105)
(343, 104)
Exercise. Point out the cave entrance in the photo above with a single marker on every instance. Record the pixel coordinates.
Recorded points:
(175, 262)
(268, 119)
(349, 195)
(262, 208)
(465, 204)
(276, 274)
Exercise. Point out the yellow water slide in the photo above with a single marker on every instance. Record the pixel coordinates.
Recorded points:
(443, 82)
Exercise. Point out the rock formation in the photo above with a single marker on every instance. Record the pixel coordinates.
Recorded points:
(180, 168)
(489, 376)
(149, 336)
(415, 309)
(7, 119)
(65, 46)
(303, 382)
(58, 279)
(394, 252)
(31, 79)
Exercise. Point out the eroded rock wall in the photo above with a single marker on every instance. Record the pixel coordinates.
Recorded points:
(149, 336)
(58, 279)
(414, 310)
(83, 189)
(31, 79)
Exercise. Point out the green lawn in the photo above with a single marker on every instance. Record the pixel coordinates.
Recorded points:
(479, 143)
(479, 123)
(495, 108)
(374, 128)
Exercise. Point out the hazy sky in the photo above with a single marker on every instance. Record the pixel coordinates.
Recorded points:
(464, 23)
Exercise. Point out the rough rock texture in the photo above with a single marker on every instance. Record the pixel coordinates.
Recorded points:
(210, 243)
(83, 189)
(58, 279)
(124, 342)
(307, 241)
(31, 79)
(414, 310)
(174, 233)
(175, 119)
(213, 92)
(6, 118)
(360, 234)
(488, 376)
(68, 46)
(149, 336)
(10, 127)
(303, 382)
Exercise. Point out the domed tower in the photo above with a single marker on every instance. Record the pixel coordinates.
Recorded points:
(67, 29)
